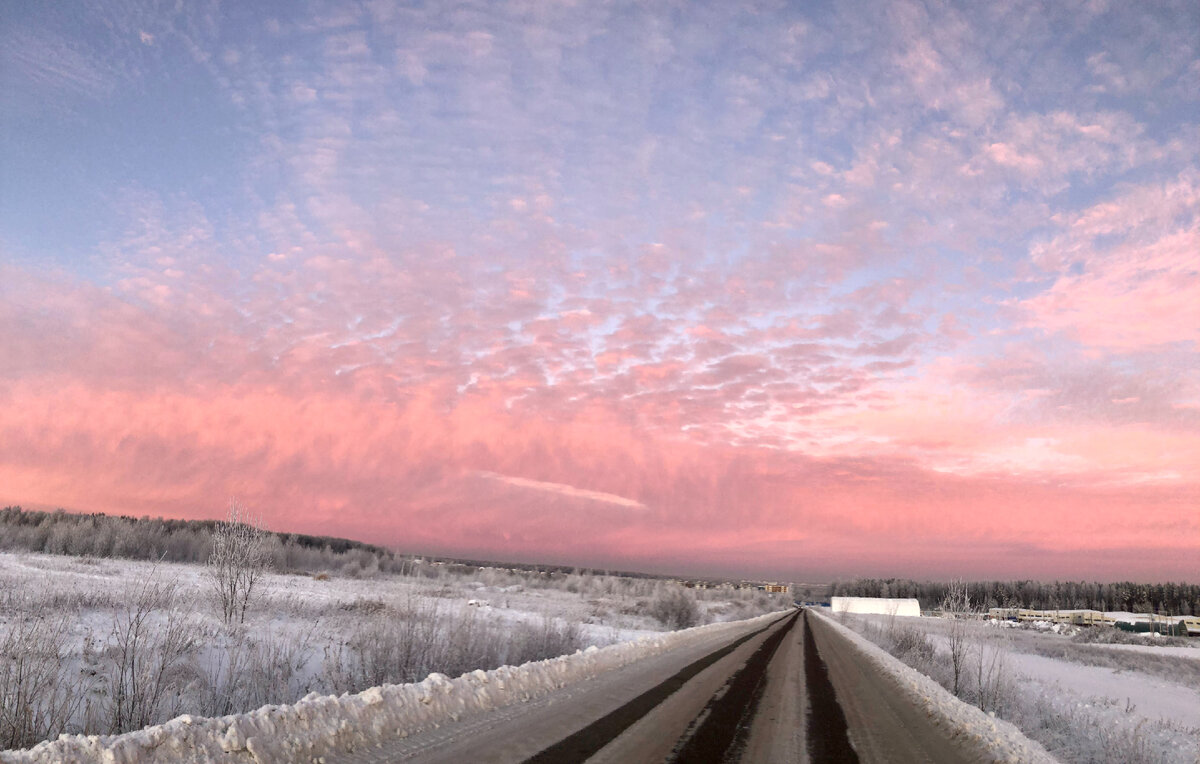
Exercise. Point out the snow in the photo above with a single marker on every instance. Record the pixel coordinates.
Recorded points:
(1147, 696)
(319, 725)
(1005, 741)
(1188, 651)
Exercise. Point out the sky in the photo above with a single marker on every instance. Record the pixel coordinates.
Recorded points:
(767, 289)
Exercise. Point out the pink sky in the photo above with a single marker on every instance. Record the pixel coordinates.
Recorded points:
(771, 293)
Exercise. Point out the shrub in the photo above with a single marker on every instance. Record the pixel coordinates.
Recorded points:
(150, 658)
(38, 695)
(675, 608)
(549, 639)
(912, 645)
(248, 671)
(416, 639)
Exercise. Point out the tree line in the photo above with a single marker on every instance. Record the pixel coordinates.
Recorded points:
(1162, 598)
(156, 538)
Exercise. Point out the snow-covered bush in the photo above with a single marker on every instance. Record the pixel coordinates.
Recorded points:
(675, 608)
(912, 645)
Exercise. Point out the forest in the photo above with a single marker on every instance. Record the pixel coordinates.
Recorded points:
(155, 538)
(1159, 598)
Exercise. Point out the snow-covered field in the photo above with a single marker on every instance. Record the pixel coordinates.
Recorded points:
(1083, 702)
(118, 645)
(319, 725)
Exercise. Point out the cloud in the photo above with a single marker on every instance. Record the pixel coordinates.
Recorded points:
(47, 63)
(565, 490)
(1126, 271)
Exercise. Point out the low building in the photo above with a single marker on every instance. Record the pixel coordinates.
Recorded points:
(876, 605)
(1073, 616)
(1175, 625)
(1191, 625)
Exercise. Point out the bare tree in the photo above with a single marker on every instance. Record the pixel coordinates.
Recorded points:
(893, 607)
(956, 604)
(238, 560)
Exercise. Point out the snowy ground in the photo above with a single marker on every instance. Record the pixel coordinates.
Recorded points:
(1083, 702)
(1190, 653)
(323, 635)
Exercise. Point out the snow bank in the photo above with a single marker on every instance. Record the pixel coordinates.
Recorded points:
(317, 725)
(964, 722)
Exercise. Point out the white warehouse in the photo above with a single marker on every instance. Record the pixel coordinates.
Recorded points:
(878, 605)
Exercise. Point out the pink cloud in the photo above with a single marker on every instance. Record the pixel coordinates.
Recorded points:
(339, 461)
(1144, 289)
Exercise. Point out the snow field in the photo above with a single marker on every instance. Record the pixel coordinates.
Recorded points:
(964, 722)
(326, 635)
(319, 725)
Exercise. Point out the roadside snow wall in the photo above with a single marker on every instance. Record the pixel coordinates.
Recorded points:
(1004, 741)
(879, 605)
(318, 725)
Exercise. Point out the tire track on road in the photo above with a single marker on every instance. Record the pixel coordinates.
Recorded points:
(591, 739)
(721, 730)
(828, 735)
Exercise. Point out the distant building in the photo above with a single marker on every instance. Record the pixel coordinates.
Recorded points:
(1176, 625)
(876, 605)
(1073, 616)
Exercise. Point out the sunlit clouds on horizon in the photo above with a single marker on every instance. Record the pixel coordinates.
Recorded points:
(752, 289)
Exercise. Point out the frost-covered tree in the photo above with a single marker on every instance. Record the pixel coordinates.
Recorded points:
(956, 605)
(239, 558)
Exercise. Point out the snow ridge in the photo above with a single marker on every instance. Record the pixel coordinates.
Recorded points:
(318, 725)
(963, 721)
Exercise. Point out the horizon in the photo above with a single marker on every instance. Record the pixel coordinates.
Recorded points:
(697, 574)
(883, 290)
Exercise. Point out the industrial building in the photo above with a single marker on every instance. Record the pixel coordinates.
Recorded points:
(876, 605)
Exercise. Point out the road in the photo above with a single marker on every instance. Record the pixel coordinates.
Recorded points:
(793, 691)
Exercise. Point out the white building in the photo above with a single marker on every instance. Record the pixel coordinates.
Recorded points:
(909, 606)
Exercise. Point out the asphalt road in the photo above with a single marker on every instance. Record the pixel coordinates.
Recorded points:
(794, 691)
